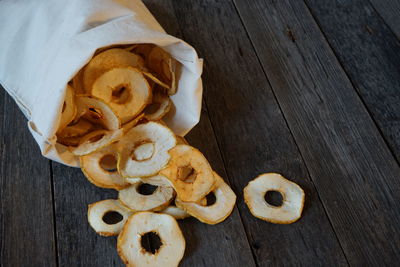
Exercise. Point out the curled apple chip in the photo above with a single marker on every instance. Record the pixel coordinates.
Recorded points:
(68, 110)
(189, 172)
(175, 212)
(125, 90)
(107, 60)
(159, 106)
(144, 150)
(81, 127)
(100, 168)
(96, 140)
(292, 194)
(140, 225)
(108, 217)
(97, 112)
(161, 62)
(136, 200)
(218, 211)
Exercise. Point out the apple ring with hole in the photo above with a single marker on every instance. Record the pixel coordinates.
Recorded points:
(155, 200)
(292, 194)
(189, 172)
(217, 212)
(144, 150)
(100, 168)
(97, 111)
(125, 90)
(165, 227)
(107, 60)
(108, 217)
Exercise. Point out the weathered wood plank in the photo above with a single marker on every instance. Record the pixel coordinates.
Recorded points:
(26, 211)
(78, 244)
(390, 12)
(370, 54)
(252, 134)
(355, 174)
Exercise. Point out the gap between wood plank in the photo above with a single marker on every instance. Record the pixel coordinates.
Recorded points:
(352, 81)
(54, 211)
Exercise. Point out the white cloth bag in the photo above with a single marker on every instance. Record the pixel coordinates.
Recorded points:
(44, 43)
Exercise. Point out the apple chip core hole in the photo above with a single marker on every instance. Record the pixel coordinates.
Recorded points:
(146, 189)
(143, 151)
(274, 198)
(151, 242)
(187, 174)
(121, 94)
(211, 199)
(112, 217)
(108, 163)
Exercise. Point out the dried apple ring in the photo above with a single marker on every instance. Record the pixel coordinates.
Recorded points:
(100, 168)
(106, 60)
(95, 140)
(136, 201)
(292, 204)
(96, 111)
(217, 212)
(68, 111)
(164, 226)
(164, 65)
(125, 90)
(145, 150)
(78, 129)
(189, 172)
(159, 107)
(108, 217)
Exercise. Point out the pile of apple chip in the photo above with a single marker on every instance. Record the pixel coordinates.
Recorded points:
(112, 119)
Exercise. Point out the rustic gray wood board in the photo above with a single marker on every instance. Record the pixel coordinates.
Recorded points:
(252, 134)
(390, 12)
(370, 54)
(355, 173)
(78, 244)
(26, 209)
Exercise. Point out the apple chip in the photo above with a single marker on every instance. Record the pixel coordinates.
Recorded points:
(189, 172)
(144, 150)
(76, 129)
(136, 200)
(292, 204)
(125, 90)
(217, 212)
(161, 62)
(159, 107)
(96, 140)
(68, 111)
(108, 217)
(176, 212)
(140, 225)
(107, 60)
(100, 168)
(97, 112)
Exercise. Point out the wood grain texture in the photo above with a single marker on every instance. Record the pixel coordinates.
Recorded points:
(78, 244)
(390, 12)
(252, 135)
(355, 174)
(370, 55)
(26, 211)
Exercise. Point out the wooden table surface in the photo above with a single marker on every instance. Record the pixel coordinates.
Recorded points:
(309, 89)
